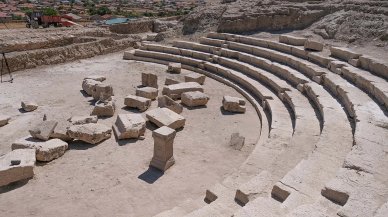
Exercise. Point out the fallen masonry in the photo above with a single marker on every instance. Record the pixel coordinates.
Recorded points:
(29, 106)
(60, 131)
(102, 91)
(167, 102)
(174, 68)
(149, 80)
(17, 165)
(163, 157)
(137, 102)
(90, 133)
(174, 91)
(99, 78)
(88, 85)
(313, 45)
(195, 77)
(45, 150)
(165, 117)
(233, 104)
(170, 81)
(128, 126)
(43, 130)
(4, 120)
(147, 92)
(195, 98)
(77, 120)
(104, 108)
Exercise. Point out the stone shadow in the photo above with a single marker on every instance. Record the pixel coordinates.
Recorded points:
(151, 175)
(80, 145)
(13, 186)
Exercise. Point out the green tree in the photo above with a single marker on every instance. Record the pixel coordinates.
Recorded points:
(49, 12)
(103, 10)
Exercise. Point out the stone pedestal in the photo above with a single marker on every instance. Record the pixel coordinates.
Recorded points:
(163, 148)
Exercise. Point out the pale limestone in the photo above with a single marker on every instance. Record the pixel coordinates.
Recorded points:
(165, 117)
(4, 119)
(137, 102)
(313, 45)
(29, 106)
(174, 91)
(195, 77)
(43, 130)
(90, 133)
(174, 68)
(149, 80)
(167, 102)
(88, 85)
(45, 150)
(195, 98)
(104, 108)
(233, 104)
(163, 157)
(13, 173)
(147, 92)
(77, 120)
(128, 126)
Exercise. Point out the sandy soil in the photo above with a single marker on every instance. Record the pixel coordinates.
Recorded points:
(113, 178)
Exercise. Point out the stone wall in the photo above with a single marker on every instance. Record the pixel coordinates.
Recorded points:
(133, 27)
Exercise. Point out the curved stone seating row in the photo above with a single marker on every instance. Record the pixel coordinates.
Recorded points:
(350, 137)
(370, 83)
(362, 156)
(312, 165)
(301, 149)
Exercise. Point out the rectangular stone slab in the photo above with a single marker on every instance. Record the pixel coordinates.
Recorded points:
(175, 90)
(165, 117)
(129, 126)
(24, 170)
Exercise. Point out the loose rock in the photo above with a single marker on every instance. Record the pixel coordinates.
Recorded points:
(195, 98)
(233, 104)
(167, 102)
(24, 170)
(29, 106)
(129, 126)
(147, 92)
(77, 120)
(174, 68)
(104, 108)
(90, 133)
(43, 130)
(137, 102)
(4, 120)
(195, 77)
(165, 117)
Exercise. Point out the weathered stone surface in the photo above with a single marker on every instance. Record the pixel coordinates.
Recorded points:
(147, 92)
(129, 126)
(29, 106)
(167, 102)
(77, 120)
(165, 117)
(138, 102)
(237, 141)
(90, 133)
(24, 170)
(174, 68)
(343, 53)
(254, 188)
(174, 91)
(292, 40)
(96, 78)
(195, 98)
(149, 80)
(163, 148)
(195, 77)
(4, 120)
(170, 81)
(313, 45)
(376, 66)
(88, 85)
(233, 104)
(60, 131)
(45, 150)
(43, 130)
(104, 108)
(102, 91)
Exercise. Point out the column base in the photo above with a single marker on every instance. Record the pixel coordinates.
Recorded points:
(162, 165)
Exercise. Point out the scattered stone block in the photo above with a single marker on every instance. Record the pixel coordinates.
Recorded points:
(4, 120)
(45, 150)
(90, 133)
(149, 80)
(174, 68)
(233, 104)
(195, 98)
(99, 78)
(10, 173)
(170, 81)
(104, 108)
(195, 77)
(313, 45)
(237, 141)
(165, 117)
(167, 102)
(174, 91)
(343, 53)
(128, 126)
(29, 106)
(77, 120)
(147, 92)
(292, 40)
(88, 85)
(60, 131)
(102, 91)
(163, 157)
(43, 130)
(137, 102)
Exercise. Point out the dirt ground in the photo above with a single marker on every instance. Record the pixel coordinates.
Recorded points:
(113, 178)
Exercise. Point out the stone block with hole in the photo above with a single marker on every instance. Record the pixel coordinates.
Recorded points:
(17, 165)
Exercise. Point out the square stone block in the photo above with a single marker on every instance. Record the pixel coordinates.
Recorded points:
(149, 80)
(137, 102)
(195, 98)
(174, 68)
(22, 167)
(104, 108)
(233, 104)
(147, 92)
(128, 126)
(165, 117)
